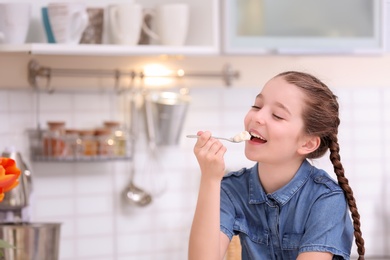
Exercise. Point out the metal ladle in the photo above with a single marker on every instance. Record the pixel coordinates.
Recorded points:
(133, 194)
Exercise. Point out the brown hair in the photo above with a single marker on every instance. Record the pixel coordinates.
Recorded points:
(321, 118)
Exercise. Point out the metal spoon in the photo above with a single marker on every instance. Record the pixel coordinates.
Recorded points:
(236, 139)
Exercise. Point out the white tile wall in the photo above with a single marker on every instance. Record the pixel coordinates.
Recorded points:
(85, 197)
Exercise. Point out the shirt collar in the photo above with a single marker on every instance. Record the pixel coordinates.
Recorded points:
(256, 191)
(282, 195)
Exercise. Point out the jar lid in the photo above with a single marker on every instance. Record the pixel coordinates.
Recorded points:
(111, 123)
(86, 132)
(102, 131)
(55, 124)
(71, 131)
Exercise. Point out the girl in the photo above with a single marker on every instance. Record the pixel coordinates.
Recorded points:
(282, 207)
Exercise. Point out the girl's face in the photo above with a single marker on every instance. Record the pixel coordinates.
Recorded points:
(276, 121)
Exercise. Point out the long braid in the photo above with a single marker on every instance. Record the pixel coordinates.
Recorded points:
(321, 117)
(344, 184)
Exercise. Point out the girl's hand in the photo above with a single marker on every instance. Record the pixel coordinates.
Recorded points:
(209, 152)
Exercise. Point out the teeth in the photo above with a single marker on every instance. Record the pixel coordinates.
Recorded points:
(258, 136)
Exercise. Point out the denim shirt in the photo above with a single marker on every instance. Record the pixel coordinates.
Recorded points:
(308, 214)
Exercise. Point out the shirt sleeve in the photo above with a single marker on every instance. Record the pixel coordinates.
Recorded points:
(227, 214)
(329, 227)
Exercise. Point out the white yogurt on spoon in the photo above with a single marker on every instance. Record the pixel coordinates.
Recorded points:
(243, 136)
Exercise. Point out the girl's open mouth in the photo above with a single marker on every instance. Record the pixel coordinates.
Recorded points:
(257, 138)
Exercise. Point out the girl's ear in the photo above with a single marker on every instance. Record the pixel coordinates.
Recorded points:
(310, 144)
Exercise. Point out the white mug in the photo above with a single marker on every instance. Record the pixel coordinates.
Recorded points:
(125, 22)
(14, 22)
(171, 22)
(68, 21)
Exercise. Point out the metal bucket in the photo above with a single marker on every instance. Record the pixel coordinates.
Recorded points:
(32, 241)
(166, 112)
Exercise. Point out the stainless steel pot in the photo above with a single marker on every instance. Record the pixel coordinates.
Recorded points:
(32, 241)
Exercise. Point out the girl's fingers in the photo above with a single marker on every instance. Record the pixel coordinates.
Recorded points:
(215, 146)
(208, 147)
(221, 152)
(203, 139)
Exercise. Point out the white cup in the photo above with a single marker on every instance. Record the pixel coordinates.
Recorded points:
(171, 22)
(125, 22)
(14, 22)
(68, 21)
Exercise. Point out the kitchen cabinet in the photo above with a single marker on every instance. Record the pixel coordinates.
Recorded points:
(303, 26)
(203, 34)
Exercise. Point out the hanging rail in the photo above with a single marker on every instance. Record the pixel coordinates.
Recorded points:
(35, 71)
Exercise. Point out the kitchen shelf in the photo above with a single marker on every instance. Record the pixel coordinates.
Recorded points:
(37, 154)
(106, 49)
(41, 158)
(203, 34)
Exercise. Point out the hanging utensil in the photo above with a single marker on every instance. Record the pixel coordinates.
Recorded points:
(133, 194)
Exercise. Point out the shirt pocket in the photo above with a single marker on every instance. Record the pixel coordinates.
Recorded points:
(253, 233)
(290, 245)
(291, 241)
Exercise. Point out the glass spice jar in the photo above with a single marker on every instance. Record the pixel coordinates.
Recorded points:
(105, 142)
(89, 146)
(54, 139)
(119, 135)
(72, 143)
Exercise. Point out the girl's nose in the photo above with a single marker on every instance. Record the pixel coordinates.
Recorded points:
(260, 117)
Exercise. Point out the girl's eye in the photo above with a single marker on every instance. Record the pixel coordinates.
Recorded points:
(256, 107)
(277, 117)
